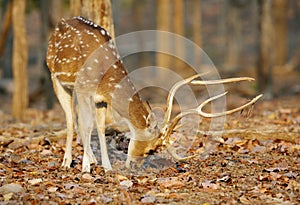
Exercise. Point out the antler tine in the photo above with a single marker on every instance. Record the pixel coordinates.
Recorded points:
(211, 115)
(171, 95)
(213, 82)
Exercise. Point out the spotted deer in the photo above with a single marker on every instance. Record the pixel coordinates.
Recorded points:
(82, 57)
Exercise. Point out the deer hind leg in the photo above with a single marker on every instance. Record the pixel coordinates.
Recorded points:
(101, 108)
(65, 99)
(85, 127)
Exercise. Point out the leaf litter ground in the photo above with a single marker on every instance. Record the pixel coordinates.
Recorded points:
(258, 163)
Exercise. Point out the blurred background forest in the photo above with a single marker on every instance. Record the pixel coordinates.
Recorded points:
(258, 38)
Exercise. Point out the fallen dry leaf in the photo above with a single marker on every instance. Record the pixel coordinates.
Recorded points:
(170, 182)
(148, 199)
(46, 152)
(244, 200)
(11, 188)
(121, 177)
(8, 196)
(52, 189)
(276, 169)
(126, 183)
(210, 185)
(87, 177)
(35, 181)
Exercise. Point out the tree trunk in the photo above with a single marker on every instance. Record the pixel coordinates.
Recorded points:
(75, 7)
(280, 26)
(233, 34)
(6, 38)
(197, 33)
(266, 42)
(57, 11)
(163, 24)
(138, 9)
(98, 11)
(20, 56)
(178, 26)
(46, 77)
(6, 25)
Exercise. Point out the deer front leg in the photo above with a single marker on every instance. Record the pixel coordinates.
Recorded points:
(65, 99)
(101, 108)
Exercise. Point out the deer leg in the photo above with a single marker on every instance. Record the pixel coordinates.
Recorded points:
(65, 99)
(85, 127)
(101, 108)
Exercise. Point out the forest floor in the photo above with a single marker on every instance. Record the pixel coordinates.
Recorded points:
(258, 163)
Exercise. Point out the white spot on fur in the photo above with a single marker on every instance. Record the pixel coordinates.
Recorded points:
(112, 95)
(118, 86)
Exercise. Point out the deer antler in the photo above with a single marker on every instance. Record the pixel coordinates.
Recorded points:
(170, 126)
(191, 80)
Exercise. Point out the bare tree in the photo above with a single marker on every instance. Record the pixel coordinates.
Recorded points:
(163, 20)
(20, 56)
(233, 33)
(6, 25)
(75, 7)
(47, 22)
(197, 24)
(178, 27)
(266, 42)
(280, 26)
(98, 11)
(57, 10)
